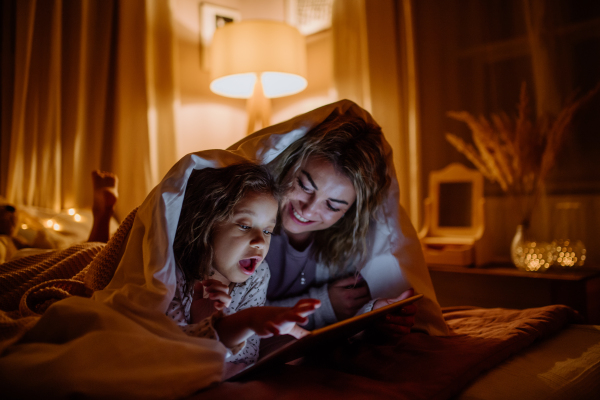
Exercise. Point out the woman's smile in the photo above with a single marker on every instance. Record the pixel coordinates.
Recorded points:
(298, 217)
(319, 197)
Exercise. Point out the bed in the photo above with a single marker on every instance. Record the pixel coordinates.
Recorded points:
(490, 354)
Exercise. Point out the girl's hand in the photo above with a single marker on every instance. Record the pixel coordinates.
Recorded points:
(348, 295)
(398, 322)
(265, 322)
(218, 298)
(273, 321)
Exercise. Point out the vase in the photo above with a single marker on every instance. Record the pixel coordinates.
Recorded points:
(529, 254)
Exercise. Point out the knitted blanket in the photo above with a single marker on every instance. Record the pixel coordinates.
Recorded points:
(29, 285)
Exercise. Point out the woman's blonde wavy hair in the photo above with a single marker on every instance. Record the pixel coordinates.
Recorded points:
(355, 148)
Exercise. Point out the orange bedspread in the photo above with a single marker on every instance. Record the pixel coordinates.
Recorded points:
(416, 366)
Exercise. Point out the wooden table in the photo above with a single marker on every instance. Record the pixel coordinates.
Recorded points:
(503, 285)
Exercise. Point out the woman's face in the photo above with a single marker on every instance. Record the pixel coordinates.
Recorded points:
(319, 197)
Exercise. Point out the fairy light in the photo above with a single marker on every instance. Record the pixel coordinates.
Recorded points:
(24, 226)
(71, 211)
(56, 227)
(77, 217)
(49, 223)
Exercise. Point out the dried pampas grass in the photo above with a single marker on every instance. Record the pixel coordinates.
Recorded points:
(518, 154)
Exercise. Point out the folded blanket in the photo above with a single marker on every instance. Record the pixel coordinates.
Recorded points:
(417, 366)
(29, 285)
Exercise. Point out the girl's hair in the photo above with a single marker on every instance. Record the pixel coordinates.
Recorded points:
(210, 198)
(355, 148)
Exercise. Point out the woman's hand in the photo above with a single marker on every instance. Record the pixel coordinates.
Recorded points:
(348, 295)
(398, 322)
(265, 322)
(218, 298)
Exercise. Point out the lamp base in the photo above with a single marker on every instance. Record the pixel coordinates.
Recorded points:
(259, 109)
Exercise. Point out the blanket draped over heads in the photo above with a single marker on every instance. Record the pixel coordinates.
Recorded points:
(109, 344)
(395, 261)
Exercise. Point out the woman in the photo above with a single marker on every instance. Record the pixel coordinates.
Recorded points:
(341, 215)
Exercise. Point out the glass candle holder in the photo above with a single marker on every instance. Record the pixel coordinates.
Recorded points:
(569, 226)
(531, 255)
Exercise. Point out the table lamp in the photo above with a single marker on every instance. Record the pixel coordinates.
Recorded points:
(257, 60)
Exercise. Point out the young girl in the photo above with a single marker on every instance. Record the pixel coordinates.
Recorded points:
(224, 231)
(120, 343)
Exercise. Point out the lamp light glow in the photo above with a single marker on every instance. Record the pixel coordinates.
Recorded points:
(241, 52)
(279, 84)
(239, 86)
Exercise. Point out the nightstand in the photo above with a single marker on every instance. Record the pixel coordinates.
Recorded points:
(503, 285)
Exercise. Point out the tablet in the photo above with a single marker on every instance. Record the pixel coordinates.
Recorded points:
(335, 332)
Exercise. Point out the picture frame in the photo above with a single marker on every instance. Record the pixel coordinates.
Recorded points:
(309, 16)
(213, 16)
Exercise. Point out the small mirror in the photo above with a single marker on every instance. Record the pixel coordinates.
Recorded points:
(453, 217)
(455, 203)
(455, 208)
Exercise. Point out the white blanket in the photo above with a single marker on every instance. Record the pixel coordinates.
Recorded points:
(119, 343)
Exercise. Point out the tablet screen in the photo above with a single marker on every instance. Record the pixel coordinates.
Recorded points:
(341, 330)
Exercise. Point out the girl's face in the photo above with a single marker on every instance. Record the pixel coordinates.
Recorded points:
(241, 243)
(319, 197)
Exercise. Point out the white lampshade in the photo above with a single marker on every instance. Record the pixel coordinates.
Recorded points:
(243, 51)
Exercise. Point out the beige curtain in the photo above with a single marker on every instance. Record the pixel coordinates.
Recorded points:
(374, 65)
(540, 18)
(350, 52)
(91, 87)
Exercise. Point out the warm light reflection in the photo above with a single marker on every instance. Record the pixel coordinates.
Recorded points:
(24, 226)
(535, 256)
(571, 253)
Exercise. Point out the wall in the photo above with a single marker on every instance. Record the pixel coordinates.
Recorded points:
(474, 56)
(205, 120)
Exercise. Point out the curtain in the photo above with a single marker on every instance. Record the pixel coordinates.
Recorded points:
(90, 85)
(374, 65)
(540, 18)
(350, 52)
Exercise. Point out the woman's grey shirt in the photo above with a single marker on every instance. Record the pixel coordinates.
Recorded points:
(285, 287)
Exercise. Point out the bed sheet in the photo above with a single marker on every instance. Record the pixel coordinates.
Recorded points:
(42, 230)
(566, 365)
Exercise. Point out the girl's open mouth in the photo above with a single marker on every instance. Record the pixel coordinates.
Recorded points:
(248, 265)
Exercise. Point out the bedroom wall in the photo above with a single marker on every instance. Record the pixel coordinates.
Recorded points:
(205, 120)
(473, 56)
